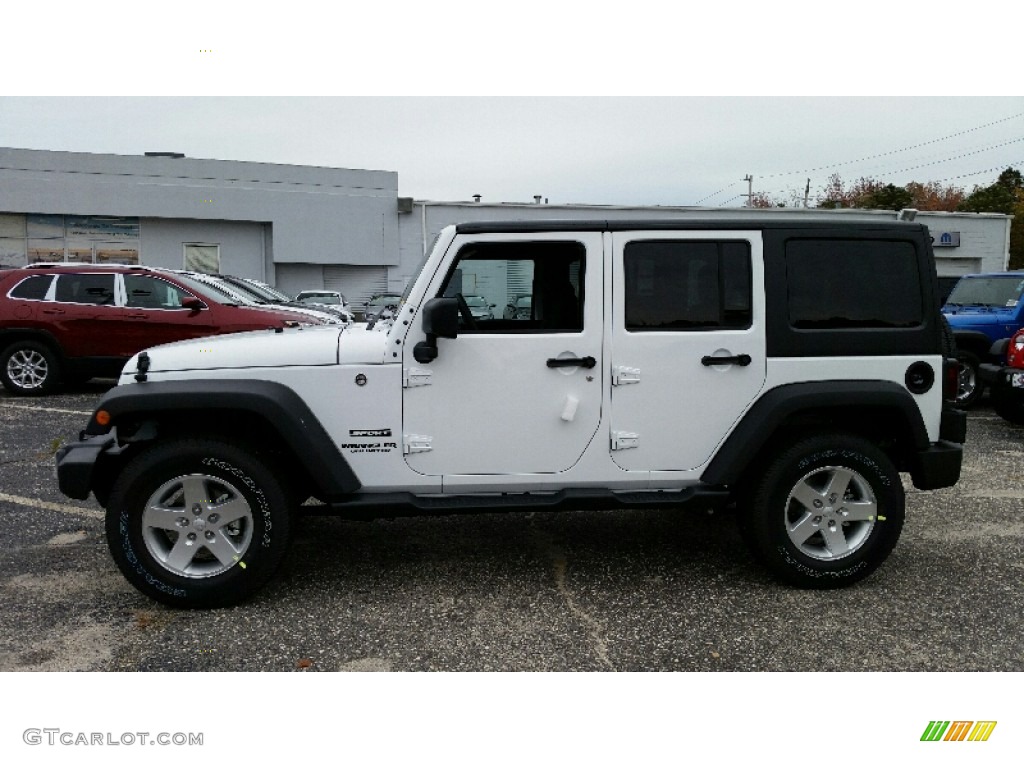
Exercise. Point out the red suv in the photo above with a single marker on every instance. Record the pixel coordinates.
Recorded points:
(73, 322)
(1006, 382)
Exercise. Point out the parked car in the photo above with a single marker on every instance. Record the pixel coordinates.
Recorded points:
(246, 292)
(1006, 382)
(718, 370)
(983, 309)
(378, 303)
(72, 322)
(480, 308)
(519, 307)
(331, 301)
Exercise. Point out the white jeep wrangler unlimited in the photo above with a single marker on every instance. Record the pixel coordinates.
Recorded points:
(790, 368)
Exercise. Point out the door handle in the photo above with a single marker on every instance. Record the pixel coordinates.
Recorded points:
(730, 360)
(572, 362)
(53, 312)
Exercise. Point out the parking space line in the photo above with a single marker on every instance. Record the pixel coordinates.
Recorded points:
(50, 410)
(70, 509)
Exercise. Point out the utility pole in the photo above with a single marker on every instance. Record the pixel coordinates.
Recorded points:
(807, 192)
(750, 190)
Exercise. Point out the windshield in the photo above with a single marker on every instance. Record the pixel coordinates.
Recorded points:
(318, 298)
(261, 292)
(988, 291)
(212, 290)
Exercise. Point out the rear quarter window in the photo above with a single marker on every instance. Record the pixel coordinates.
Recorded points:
(836, 283)
(34, 288)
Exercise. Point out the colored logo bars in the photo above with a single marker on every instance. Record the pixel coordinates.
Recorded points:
(958, 730)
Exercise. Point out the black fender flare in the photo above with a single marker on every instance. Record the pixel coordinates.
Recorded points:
(776, 406)
(975, 342)
(287, 413)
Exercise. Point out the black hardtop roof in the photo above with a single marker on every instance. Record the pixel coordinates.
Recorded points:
(752, 223)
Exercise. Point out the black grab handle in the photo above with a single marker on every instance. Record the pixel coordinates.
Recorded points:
(733, 360)
(571, 362)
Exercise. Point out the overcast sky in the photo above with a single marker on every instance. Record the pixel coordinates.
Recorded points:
(692, 145)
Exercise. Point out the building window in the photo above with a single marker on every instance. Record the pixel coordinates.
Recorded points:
(204, 258)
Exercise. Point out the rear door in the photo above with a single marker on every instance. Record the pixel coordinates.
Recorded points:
(687, 343)
(85, 315)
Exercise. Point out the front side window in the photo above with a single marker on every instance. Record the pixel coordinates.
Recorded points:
(150, 293)
(835, 284)
(520, 287)
(687, 285)
(85, 289)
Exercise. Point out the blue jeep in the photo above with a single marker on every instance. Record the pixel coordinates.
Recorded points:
(982, 310)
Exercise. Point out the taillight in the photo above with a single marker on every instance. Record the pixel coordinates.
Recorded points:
(1015, 352)
(950, 378)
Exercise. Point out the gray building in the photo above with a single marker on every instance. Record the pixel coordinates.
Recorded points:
(300, 227)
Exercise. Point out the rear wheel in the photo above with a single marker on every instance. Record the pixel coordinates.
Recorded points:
(197, 523)
(29, 368)
(827, 511)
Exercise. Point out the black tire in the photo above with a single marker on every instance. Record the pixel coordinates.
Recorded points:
(800, 546)
(970, 388)
(151, 511)
(948, 338)
(1008, 404)
(29, 368)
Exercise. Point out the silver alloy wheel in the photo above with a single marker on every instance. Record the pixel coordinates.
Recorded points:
(197, 526)
(830, 513)
(28, 369)
(967, 382)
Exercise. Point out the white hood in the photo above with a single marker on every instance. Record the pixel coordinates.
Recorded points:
(303, 346)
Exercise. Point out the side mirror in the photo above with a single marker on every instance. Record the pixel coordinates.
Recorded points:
(440, 320)
(193, 304)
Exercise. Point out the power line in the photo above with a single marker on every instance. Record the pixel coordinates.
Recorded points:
(886, 154)
(897, 151)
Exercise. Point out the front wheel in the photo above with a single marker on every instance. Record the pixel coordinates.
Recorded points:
(1009, 404)
(197, 523)
(969, 386)
(827, 512)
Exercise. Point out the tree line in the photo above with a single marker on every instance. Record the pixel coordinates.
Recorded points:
(1005, 195)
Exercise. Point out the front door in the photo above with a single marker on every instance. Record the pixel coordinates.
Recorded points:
(514, 393)
(688, 343)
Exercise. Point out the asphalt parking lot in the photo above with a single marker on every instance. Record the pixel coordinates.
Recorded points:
(628, 590)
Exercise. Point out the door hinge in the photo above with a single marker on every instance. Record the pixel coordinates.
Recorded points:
(416, 444)
(415, 377)
(623, 440)
(623, 375)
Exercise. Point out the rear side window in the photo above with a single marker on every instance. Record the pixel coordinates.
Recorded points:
(839, 283)
(33, 288)
(687, 285)
(85, 289)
